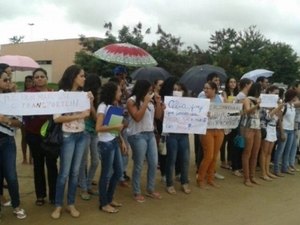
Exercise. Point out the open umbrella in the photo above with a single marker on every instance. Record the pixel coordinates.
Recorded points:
(19, 62)
(254, 74)
(150, 73)
(195, 78)
(125, 54)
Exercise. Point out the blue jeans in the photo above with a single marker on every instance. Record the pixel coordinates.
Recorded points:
(70, 159)
(111, 170)
(177, 145)
(86, 175)
(8, 168)
(293, 153)
(143, 146)
(283, 151)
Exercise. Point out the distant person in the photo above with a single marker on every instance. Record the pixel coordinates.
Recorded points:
(8, 153)
(264, 82)
(88, 170)
(6, 68)
(28, 84)
(32, 126)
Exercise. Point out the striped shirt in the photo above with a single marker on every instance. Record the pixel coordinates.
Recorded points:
(9, 130)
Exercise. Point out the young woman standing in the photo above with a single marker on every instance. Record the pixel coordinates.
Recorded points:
(74, 143)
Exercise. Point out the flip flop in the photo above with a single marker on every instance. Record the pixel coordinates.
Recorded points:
(116, 204)
(110, 210)
(154, 195)
(40, 202)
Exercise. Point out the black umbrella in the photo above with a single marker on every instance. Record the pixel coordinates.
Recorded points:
(195, 78)
(150, 73)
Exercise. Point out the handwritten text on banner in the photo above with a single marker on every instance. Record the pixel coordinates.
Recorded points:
(43, 103)
(224, 116)
(185, 115)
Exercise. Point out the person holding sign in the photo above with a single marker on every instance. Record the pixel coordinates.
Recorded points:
(109, 126)
(250, 129)
(74, 143)
(269, 121)
(8, 153)
(230, 92)
(211, 143)
(32, 126)
(142, 111)
(177, 144)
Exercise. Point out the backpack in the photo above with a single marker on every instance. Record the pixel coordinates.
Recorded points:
(52, 138)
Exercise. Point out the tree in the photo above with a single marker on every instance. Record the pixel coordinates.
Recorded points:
(16, 39)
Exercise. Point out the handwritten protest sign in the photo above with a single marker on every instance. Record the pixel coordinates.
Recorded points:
(224, 116)
(268, 100)
(185, 115)
(43, 103)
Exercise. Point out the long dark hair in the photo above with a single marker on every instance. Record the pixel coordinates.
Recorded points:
(255, 90)
(140, 90)
(108, 93)
(243, 82)
(66, 82)
(168, 86)
(93, 84)
(227, 88)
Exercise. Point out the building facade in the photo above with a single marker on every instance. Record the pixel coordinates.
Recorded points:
(52, 55)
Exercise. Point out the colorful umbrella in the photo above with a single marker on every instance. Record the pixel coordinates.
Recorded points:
(150, 73)
(125, 54)
(254, 74)
(19, 62)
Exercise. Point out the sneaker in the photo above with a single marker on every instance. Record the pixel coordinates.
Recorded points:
(219, 176)
(19, 213)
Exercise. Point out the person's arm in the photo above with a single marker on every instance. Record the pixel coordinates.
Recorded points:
(276, 110)
(103, 128)
(138, 114)
(12, 122)
(159, 107)
(248, 109)
(70, 118)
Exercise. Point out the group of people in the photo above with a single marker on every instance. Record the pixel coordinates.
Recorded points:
(140, 132)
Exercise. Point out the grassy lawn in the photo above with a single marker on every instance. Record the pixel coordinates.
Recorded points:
(53, 86)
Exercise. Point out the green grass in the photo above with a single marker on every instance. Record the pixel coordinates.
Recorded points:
(20, 85)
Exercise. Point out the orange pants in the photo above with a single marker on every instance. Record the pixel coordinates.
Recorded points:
(211, 143)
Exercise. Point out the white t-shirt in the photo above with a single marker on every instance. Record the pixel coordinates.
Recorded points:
(104, 136)
(147, 122)
(74, 126)
(288, 120)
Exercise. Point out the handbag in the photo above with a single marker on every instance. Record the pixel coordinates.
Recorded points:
(52, 138)
(239, 140)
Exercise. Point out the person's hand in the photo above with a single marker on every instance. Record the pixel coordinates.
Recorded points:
(119, 127)
(258, 101)
(90, 96)
(148, 97)
(85, 114)
(124, 149)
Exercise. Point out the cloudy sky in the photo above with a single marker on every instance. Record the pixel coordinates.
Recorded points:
(192, 20)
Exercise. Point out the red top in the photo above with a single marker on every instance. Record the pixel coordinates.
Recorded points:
(33, 124)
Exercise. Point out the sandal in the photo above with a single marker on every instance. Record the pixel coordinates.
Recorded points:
(171, 190)
(139, 198)
(154, 195)
(186, 189)
(73, 211)
(20, 213)
(109, 209)
(40, 202)
(116, 204)
(85, 196)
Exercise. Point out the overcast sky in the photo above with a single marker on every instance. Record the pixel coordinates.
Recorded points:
(192, 20)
